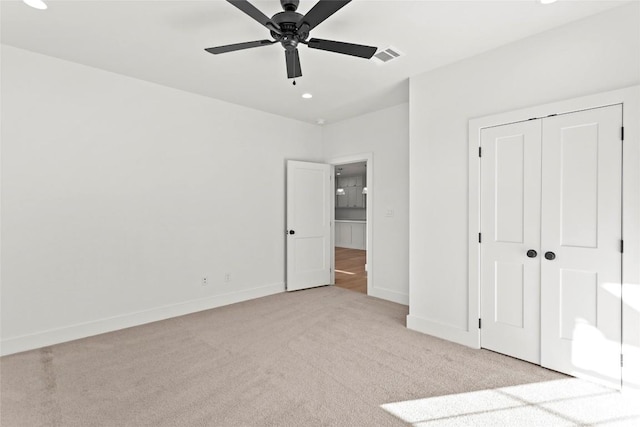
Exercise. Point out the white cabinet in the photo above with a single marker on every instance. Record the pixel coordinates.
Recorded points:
(343, 233)
(359, 235)
(352, 197)
(351, 235)
(342, 200)
(350, 181)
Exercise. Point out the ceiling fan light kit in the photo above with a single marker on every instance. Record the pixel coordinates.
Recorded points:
(290, 28)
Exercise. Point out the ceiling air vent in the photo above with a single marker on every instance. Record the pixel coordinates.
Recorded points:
(387, 55)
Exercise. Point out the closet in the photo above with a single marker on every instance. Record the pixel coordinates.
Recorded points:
(551, 235)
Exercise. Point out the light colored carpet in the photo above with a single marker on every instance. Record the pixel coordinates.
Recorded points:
(319, 357)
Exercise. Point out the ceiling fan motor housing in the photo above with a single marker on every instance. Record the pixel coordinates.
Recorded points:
(292, 32)
(290, 5)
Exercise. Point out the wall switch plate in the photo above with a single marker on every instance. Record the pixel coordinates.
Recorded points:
(227, 277)
(389, 213)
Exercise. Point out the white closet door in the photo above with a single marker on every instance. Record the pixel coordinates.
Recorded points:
(581, 226)
(510, 224)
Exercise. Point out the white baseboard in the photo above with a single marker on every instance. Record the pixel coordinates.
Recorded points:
(83, 330)
(392, 296)
(350, 246)
(446, 332)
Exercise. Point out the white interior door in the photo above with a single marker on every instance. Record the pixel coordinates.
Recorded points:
(309, 195)
(510, 224)
(581, 226)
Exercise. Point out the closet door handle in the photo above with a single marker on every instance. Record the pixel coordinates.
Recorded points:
(550, 256)
(531, 253)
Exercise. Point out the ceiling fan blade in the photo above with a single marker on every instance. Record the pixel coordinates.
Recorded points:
(239, 46)
(342, 47)
(255, 13)
(293, 63)
(322, 10)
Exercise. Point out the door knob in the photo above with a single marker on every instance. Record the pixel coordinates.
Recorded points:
(531, 253)
(292, 232)
(550, 256)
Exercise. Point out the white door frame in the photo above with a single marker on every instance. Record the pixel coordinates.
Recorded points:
(356, 158)
(630, 99)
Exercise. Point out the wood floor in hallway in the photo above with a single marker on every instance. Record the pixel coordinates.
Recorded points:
(350, 272)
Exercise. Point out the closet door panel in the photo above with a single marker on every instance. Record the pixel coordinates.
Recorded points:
(510, 224)
(581, 227)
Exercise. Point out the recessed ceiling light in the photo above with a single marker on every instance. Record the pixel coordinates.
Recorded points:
(36, 4)
(547, 1)
(307, 96)
(320, 121)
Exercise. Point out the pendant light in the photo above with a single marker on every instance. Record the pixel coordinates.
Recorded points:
(339, 191)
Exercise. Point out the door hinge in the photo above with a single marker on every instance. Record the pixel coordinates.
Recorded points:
(479, 237)
(479, 323)
(621, 360)
(479, 151)
(622, 133)
(621, 246)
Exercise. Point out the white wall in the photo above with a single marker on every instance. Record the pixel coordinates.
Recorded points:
(384, 134)
(593, 55)
(118, 195)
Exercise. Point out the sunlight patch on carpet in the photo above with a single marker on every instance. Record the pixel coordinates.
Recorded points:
(566, 402)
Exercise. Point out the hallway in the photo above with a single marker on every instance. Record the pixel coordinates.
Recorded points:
(350, 273)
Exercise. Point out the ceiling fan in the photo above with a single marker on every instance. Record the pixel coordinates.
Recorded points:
(290, 28)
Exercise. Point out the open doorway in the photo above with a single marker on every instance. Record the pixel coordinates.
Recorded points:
(350, 240)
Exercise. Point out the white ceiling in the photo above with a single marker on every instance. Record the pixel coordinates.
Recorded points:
(164, 41)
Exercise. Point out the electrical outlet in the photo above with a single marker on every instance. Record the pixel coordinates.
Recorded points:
(227, 277)
(205, 281)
